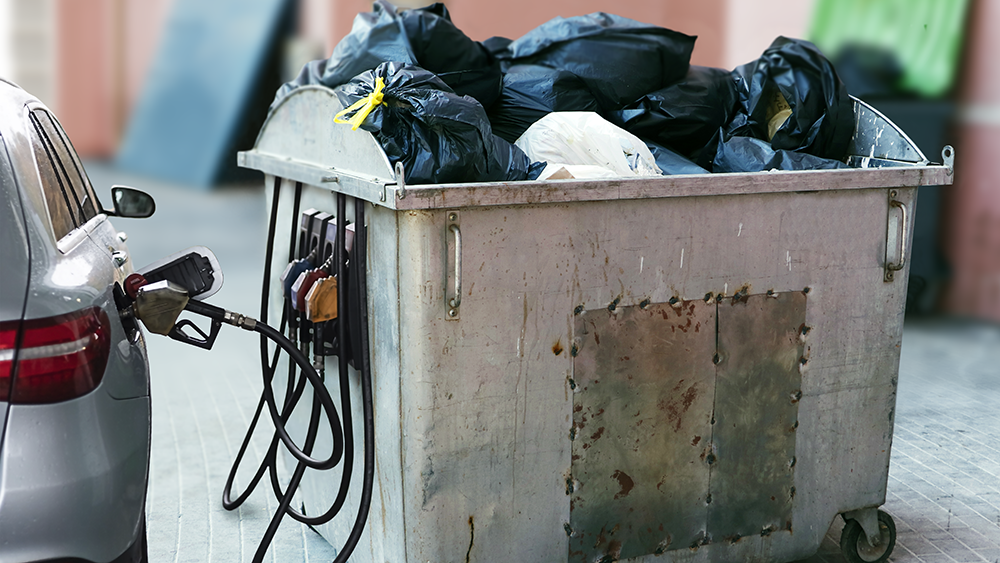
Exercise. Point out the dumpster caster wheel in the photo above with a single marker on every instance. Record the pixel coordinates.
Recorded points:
(854, 544)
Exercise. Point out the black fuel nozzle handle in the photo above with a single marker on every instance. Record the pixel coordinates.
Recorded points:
(158, 305)
(206, 310)
(221, 315)
(218, 316)
(206, 341)
(202, 340)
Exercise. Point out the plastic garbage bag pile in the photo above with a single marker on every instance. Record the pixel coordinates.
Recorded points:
(591, 96)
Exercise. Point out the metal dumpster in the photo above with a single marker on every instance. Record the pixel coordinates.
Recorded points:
(680, 368)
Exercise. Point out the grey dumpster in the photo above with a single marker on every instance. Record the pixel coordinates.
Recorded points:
(680, 368)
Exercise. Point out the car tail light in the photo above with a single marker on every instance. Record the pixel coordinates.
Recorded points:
(58, 358)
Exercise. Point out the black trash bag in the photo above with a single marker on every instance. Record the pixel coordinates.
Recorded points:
(423, 37)
(439, 136)
(536, 169)
(530, 92)
(618, 58)
(747, 154)
(671, 163)
(685, 116)
(440, 47)
(375, 37)
(497, 45)
(793, 75)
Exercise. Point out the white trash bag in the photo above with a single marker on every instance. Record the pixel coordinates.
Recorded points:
(570, 138)
(579, 171)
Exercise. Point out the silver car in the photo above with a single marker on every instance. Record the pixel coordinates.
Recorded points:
(74, 376)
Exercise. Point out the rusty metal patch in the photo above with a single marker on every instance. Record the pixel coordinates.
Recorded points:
(644, 384)
(757, 390)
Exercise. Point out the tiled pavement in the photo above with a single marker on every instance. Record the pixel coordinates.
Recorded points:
(944, 476)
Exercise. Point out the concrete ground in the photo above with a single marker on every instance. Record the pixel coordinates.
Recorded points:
(944, 475)
(944, 472)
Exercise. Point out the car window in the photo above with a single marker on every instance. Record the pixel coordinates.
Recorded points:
(58, 200)
(69, 198)
(75, 170)
(69, 164)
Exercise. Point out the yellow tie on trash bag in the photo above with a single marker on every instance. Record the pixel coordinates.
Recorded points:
(364, 106)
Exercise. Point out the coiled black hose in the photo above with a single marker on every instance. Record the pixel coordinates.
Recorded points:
(341, 426)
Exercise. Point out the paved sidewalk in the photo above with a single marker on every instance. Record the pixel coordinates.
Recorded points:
(944, 477)
(944, 474)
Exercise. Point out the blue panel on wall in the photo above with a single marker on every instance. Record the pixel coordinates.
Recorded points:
(197, 91)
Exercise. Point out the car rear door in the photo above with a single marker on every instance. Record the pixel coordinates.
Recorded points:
(14, 255)
(73, 204)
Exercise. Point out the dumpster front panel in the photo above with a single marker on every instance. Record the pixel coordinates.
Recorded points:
(643, 383)
(757, 390)
(486, 404)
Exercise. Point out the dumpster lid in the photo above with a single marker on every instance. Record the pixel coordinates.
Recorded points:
(300, 141)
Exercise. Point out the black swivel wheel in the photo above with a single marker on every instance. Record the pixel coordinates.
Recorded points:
(854, 543)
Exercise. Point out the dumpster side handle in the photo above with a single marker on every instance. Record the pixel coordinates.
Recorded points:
(891, 268)
(456, 298)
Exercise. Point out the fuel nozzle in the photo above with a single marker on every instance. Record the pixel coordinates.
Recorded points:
(159, 304)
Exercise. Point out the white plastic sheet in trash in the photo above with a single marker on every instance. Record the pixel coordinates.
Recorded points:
(585, 138)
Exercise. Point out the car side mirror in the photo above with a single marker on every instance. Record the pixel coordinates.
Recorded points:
(132, 203)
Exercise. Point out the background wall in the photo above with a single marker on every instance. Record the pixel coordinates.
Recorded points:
(87, 58)
(31, 45)
(730, 32)
(972, 228)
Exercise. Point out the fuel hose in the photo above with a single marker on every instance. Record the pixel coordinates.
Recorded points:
(300, 374)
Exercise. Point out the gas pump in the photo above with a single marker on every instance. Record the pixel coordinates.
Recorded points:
(324, 313)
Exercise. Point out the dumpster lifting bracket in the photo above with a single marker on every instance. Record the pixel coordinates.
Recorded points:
(948, 158)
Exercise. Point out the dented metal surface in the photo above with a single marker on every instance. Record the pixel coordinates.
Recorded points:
(641, 425)
(757, 391)
(684, 423)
